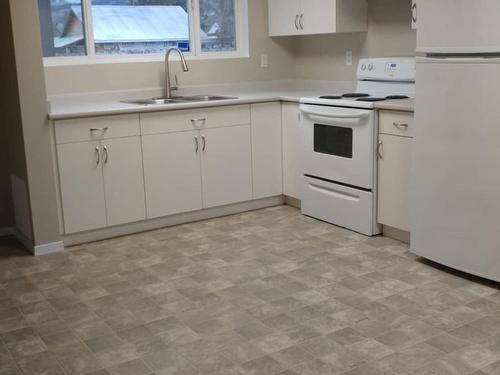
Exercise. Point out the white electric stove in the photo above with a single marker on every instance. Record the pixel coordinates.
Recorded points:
(339, 135)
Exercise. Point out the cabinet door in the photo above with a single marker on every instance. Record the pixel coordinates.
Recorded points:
(394, 166)
(266, 150)
(317, 16)
(226, 165)
(123, 180)
(292, 176)
(172, 173)
(284, 17)
(82, 188)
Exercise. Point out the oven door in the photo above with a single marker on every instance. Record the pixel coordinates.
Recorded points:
(338, 144)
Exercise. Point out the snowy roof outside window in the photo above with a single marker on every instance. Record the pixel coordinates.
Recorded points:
(148, 23)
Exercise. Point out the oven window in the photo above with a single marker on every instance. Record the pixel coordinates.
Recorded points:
(333, 140)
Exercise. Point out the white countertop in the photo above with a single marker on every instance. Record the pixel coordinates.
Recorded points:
(109, 103)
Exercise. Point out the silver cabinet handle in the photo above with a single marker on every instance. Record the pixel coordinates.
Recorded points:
(98, 152)
(380, 150)
(99, 129)
(414, 12)
(197, 120)
(403, 127)
(204, 143)
(296, 20)
(106, 155)
(196, 143)
(300, 21)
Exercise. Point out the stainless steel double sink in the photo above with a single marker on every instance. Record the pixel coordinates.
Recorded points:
(178, 99)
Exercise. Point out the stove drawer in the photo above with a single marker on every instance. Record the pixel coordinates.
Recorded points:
(396, 123)
(339, 205)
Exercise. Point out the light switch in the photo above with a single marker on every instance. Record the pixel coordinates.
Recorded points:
(348, 57)
(264, 60)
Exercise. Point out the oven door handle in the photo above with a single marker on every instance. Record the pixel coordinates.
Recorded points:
(355, 115)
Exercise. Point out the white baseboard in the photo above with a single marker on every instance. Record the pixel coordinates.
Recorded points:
(396, 234)
(294, 202)
(48, 248)
(37, 250)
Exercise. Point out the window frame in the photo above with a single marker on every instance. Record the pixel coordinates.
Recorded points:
(196, 53)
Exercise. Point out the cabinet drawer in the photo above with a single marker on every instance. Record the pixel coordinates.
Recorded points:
(396, 123)
(96, 128)
(337, 204)
(174, 121)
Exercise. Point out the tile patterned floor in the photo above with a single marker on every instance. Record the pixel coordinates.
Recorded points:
(263, 293)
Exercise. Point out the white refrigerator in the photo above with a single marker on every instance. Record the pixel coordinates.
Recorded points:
(455, 195)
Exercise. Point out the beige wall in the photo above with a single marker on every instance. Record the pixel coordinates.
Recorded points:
(11, 139)
(5, 194)
(389, 34)
(309, 57)
(36, 130)
(105, 77)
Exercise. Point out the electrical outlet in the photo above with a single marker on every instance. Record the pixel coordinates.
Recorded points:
(348, 57)
(264, 60)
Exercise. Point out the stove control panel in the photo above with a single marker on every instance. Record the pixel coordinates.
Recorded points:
(387, 69)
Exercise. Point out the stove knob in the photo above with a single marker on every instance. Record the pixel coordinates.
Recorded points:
(370, 67)
(363, 67)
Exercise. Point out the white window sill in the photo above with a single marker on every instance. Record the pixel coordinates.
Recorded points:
(124, 59)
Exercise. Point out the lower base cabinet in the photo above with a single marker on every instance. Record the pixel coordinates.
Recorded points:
(226, 165)
(394, 169)
(172, 173)
(82, 188)
(123, 180)
(267, 158)
(124, 169)
(292, 176)
(101, 183)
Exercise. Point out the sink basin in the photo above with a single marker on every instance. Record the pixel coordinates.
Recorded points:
(205, 98)
(152, 101)
(178, 99)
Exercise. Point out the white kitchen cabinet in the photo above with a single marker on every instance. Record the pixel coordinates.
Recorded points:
(303, 17)
(266, 150)
(172, 173)
(292, 176)
(123, 180)
(394, 166)
(226, 165)
(208, 166)
(102, 183)
(284, 17)
(82, 187)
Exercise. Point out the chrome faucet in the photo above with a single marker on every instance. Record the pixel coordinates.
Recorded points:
(168, 85)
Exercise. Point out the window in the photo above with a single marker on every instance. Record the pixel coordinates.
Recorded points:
(86, 30)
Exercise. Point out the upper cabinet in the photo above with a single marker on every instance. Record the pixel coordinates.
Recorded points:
(306, 17)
